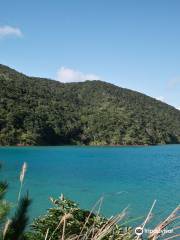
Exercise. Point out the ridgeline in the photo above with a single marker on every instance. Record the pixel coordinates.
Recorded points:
(36, 111)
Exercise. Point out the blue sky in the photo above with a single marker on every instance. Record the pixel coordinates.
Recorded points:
(131, 43)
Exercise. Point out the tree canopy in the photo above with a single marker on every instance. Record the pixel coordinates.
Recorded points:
(36, 111)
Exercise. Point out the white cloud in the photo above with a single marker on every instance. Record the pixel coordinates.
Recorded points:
(65, 74)
(161, 98)
(178, 108)
(9, 31)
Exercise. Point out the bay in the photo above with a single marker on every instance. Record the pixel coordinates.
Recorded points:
(124, 176)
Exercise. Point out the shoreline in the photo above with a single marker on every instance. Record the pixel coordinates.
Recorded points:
(77, 145)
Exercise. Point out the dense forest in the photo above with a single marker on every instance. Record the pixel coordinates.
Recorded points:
(36, 111)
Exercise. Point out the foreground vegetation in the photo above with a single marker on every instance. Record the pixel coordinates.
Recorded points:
(66, 221)
(35, 111)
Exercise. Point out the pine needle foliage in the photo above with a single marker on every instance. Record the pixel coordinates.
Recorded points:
(19, 221)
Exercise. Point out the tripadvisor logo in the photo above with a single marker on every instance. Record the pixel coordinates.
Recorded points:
(139, 231)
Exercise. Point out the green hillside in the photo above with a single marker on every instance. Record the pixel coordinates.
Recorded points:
(36, 111)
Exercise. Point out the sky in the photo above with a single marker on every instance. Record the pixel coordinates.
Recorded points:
(134, 44)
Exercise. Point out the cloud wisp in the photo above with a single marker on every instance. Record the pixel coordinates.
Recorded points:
(6, 31)
(66, 75)
(174, 83)
(161, 98)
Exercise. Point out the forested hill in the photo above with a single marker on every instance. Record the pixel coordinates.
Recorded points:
(35, 111)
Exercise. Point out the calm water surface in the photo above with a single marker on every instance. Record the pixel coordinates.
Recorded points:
(125, 176)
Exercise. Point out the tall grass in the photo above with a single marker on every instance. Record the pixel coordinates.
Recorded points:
(21, 178)
(92, 227)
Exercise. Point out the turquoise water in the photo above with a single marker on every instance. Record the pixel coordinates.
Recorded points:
(125, 176)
